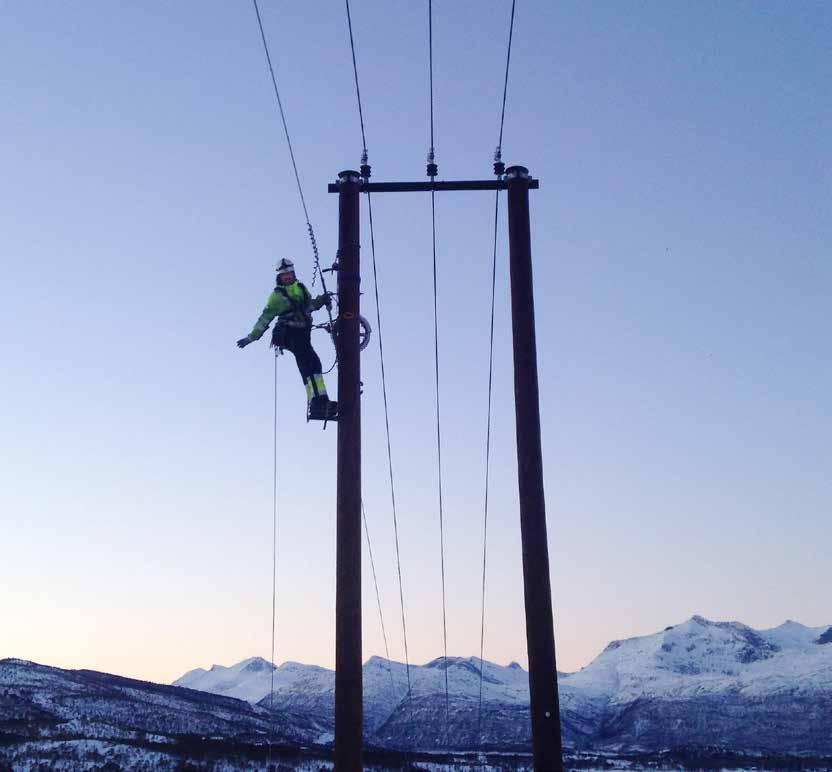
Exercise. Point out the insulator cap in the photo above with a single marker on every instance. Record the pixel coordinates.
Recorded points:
(499, 168)
(433, 169)
(350, 175)
(365, 171)
(517, 173)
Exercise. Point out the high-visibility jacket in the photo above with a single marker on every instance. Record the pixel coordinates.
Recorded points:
(292, 304)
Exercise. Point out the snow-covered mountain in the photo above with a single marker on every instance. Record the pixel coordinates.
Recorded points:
(691, 687)
(700, 682)
(706, 682)
(700, 656)
(80, 719)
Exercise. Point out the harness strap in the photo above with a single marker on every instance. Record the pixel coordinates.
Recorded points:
(299, 311)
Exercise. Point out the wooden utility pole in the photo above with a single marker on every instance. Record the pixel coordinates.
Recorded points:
(349, 709)
(540, 634)
(540, 639)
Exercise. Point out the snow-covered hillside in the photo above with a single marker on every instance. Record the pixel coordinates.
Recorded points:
(691, 677)
(695, 685)
(700, 656)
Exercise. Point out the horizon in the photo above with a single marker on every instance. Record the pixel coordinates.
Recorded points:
(682, 250)
(453, 657)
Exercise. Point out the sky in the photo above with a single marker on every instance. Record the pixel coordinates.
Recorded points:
(682, 247)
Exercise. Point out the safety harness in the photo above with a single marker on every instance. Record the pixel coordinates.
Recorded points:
(298, 315)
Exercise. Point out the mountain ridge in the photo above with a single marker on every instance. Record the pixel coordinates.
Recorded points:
(691, 673)
(698, 684)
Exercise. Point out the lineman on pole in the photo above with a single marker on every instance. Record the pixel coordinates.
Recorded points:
(292, 304)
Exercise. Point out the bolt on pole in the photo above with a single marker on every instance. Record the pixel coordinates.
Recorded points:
(540, 635)
(349, 713)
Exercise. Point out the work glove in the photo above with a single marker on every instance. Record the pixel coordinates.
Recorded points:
(325, 299)
(243, 342)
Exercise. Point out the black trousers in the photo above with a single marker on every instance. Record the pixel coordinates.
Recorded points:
(298, 341)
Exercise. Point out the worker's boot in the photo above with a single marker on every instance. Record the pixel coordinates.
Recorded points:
(322, 409)
(331, 410)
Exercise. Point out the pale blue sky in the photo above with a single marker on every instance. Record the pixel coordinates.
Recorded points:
(681, 239)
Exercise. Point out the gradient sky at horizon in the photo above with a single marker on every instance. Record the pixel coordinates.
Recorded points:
(681, 239)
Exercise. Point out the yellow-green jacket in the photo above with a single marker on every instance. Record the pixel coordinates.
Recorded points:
(292, 304)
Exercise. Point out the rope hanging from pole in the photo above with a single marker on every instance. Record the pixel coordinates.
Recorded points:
(499, 169)
(274, 558)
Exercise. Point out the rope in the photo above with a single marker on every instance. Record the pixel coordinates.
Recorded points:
(311, 231)
(436, 372)
(274, 555)
(498, 160)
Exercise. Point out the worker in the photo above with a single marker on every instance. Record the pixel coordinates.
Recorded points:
(293, 305)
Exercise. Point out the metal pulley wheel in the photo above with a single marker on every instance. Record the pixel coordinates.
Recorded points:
(364, 334)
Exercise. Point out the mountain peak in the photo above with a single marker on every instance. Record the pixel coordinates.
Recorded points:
(441, 663)
(700, 620)
(254, 665)
(825, 637)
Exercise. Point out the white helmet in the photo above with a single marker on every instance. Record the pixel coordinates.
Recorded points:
(285, 266)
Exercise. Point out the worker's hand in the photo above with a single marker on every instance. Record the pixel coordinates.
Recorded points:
(243, 342)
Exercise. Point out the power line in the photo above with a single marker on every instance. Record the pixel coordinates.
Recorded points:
(309, 228)
(498, 169)
(505, 80)
(488, 456)
(439, 452)
(355, 72)
(389, 446)
(432, 171)
(364, 159)
(378, 595)
(430, 59)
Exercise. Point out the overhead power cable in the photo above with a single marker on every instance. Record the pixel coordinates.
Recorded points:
(355, 72)
(498, 169)
(505, 80)
(310, 230)
(430, 61)
(365, 170)
(487, 457)
(432, 171)
(378, 595)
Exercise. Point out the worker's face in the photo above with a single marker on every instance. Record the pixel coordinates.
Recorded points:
(286, 278)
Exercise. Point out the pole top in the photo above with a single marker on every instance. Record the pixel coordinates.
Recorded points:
(517, 173)
(350, 175)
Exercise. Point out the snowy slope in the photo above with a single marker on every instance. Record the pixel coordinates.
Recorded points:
(700, 656)
(689, 682)
(247, 680)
